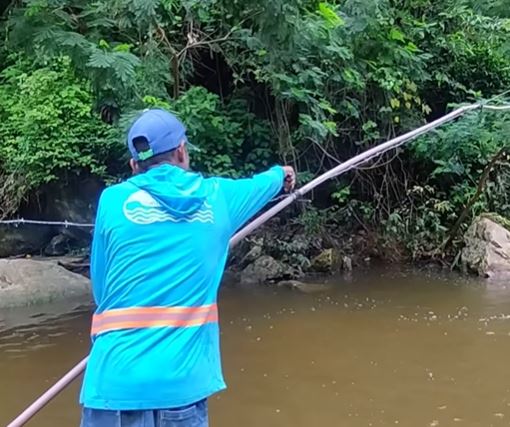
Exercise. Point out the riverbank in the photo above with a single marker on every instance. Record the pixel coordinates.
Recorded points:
(279, 254)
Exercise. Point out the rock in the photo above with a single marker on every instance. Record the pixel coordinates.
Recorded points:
(58, 246)
(266, 269)
(307, 288)
(323, 262)
(78, 265)
(487, 249)
(25, 239)
(253, 254)
(347, 263)
(27, 282)
(76, 201)
(73, 201)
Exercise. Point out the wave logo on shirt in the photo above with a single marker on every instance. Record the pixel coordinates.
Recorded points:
(142, 208)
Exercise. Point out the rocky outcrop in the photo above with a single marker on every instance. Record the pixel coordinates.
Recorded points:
(28, 282)
(331, 260)
(72, 201)
(25, 239)
(487, 249)
(324, 262)
(267, 269)
(58, 246)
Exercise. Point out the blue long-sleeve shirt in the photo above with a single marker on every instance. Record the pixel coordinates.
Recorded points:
(161, 240)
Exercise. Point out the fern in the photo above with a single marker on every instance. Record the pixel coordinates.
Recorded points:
(144, 11)
(100, 59)
(124, 66)
(121, 64)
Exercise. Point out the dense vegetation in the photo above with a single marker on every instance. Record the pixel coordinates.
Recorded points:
(299, 81)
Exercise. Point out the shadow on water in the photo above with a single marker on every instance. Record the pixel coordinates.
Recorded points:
(381, 348)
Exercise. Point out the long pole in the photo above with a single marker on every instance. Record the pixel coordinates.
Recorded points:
(364, 157)
(52, 392)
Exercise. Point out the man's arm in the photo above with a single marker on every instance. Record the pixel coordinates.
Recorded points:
(246, 197)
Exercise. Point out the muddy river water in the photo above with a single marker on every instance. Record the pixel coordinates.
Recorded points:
(385, 348)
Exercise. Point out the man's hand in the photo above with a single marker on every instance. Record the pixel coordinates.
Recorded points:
(290, 179)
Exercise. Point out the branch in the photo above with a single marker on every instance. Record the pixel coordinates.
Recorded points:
(195, 44)
(479, 190)
(175, 59)
(326, 153)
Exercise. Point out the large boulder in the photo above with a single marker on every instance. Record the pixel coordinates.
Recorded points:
(71, 201)
(267, 269)
(330, 260)
(487, 249)
(324, 262)
(28, 282)
(74, 201)
(58, 246)
(25, 239)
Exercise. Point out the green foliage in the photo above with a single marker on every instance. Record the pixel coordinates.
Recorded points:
(307, 82)
(231, 140)
(48, 29)
(224, 134)
(47, 127)
(418, 227)
(313, 221)
(460, 151)
(492, 7)
(452, 161)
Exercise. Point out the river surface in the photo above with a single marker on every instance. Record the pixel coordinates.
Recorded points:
(387, 348)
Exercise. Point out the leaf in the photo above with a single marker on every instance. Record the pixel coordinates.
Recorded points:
(298, 94)
(331, 127)
(452, 166)
(325, 105)
(342, 195)
(330, 16)
(396, 34)
(123, 47)
(411, 86)
(395, 103)
(426, 109)
(103, 44)
(144, 10)
(100, 59)
(369, 126)
(411, 47)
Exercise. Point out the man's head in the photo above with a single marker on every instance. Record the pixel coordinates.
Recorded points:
(157, 137)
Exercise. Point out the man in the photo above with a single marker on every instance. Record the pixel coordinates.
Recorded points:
(158, 255)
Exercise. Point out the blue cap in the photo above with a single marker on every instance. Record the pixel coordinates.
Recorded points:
(161, 132)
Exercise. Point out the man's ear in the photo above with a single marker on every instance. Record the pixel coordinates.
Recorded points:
(134, 166)
(181, 152)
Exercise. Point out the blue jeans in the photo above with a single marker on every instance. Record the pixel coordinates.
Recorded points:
(189, 416)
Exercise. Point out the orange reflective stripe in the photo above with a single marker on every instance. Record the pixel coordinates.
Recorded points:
(153, 317)
(155, 310)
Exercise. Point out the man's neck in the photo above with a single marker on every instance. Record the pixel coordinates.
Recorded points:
(165, 163)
